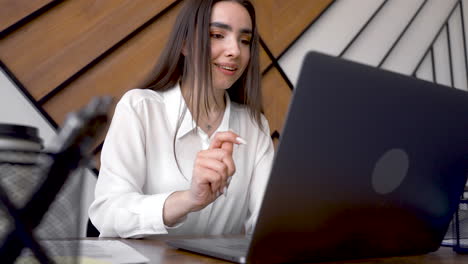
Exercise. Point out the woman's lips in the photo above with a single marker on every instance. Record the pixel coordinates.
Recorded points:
(228, 69)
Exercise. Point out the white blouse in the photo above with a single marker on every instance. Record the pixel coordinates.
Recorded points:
(138, 168)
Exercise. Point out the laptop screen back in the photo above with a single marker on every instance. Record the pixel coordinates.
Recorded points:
(370, 163)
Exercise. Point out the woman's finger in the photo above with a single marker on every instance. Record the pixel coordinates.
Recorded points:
(207, 166)
(223, 137)
(227, 146)
(221, 155)
(223, 171)
(208, 177)
(213, 164)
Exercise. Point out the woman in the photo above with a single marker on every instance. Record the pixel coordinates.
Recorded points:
(192, 153)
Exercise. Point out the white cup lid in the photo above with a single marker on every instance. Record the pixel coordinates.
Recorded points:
(22, 132)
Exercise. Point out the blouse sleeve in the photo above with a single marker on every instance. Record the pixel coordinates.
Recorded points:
(120, 208)
(261, 173)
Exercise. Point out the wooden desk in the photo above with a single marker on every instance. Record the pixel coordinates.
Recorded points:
(158, 251)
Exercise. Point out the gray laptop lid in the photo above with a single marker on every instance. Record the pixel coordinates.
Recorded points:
(370, 163)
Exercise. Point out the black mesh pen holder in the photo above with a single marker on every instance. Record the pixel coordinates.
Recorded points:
(461, 228)
(23, 170)
(20, 175)
(457, 234)
(40, 192)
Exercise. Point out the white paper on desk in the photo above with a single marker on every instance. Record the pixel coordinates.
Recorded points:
(112, 251)
(109, 251)
(452, 242)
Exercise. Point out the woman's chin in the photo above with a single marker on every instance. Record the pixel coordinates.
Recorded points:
(222, 86)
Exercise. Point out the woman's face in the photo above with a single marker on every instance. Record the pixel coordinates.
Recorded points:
(230, 34)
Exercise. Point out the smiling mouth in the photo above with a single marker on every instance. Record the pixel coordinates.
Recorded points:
(224, 67)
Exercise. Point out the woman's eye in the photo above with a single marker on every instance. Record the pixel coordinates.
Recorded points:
(245, 41)
(216, 35)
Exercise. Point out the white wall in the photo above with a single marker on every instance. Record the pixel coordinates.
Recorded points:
(16, 108)
(343, 20)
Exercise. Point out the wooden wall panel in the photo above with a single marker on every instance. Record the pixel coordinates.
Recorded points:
(58, 44)
(61, 42)
(12, 11)
(124, 69)
(276, 99)
(264, 60)
(280, 22)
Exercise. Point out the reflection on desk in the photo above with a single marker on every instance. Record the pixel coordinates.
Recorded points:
(157, 251)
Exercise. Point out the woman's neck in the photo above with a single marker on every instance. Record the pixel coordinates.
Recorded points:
(208, 119)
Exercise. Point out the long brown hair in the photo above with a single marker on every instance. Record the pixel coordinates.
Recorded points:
(191, 33)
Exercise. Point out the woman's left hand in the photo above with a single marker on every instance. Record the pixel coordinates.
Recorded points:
(212, 170)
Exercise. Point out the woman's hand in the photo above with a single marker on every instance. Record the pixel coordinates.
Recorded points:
(212, 169)
(211, 173)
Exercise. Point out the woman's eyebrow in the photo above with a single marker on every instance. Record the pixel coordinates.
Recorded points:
(228, 27)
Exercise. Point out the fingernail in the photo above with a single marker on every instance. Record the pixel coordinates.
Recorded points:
(218, 193)
(241, 141)
(229, 180)
(225, 191)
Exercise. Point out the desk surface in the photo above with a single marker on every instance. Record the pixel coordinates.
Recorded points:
(158, 251)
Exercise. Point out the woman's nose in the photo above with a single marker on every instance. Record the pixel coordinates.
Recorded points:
(232, 48)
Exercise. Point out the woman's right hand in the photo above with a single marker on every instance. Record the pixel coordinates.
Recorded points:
(212, 169)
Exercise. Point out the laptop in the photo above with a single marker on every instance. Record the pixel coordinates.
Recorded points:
(370, 163)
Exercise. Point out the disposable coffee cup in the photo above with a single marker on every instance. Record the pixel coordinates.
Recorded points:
(20, 146)
(19, 137)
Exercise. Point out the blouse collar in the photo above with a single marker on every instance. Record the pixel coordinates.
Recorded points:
(176, 107)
